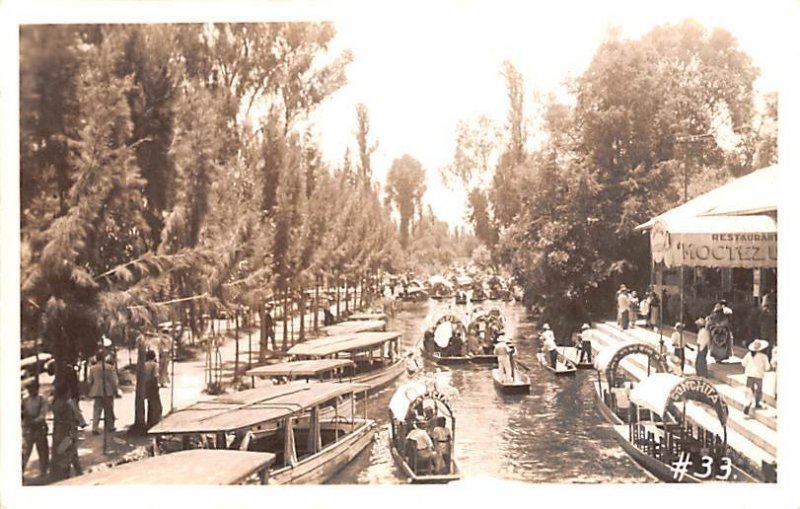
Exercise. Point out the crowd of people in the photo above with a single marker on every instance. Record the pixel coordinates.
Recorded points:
(631, 306)
(58, 458)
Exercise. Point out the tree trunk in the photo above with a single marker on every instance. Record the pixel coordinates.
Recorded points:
(302, 310)
(262, 338)
(346, 298)
(139, 425)
(285, 314)
(236, 338)
(338, 313)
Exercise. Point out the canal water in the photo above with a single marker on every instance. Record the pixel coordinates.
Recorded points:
(553, 435)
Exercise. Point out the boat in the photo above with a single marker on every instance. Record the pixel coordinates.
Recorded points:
(520, 385)
(368, 316)
(461, 297)
(573, 354)
(440, 288)
(354, 326)
(656, 420)
(318, 370)
(290, 421)
(415, 404)
(563, 367)
(482, 331)
(440, 343)
(376, 357)
(190, 467)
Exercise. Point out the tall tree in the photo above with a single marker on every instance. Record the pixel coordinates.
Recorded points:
(405, 187)
(365, 147)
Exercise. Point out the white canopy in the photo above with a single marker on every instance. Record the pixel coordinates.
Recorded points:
(439, 280)
(443, 333)
(653, 392)
(404, 396)
(605, 355)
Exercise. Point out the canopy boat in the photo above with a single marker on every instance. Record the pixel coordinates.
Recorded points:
(308, 370)
(563, 367)
(416, 409)
(520, 384)
(354, 326)
(440, 287)
(195, 466)
(288, 421)
(461, 297)
(375, 355)
(444, 343)
(478, 294)
(482, 332)
(414, 294)
(375, 315)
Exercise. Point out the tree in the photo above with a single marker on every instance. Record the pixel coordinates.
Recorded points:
(405, 187)
(365, 148)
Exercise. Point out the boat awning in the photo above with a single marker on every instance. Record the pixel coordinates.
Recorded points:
(716, 241)
(464, 280)
(354, 326)
(345, 343)
(304, 368)
(659, 390)
(245, 409)
(404, 396)
(367, 316)
(198, 466)
(754, 193)
(605, 355)
(439, 280)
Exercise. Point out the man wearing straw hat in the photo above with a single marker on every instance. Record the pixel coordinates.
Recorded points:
(585, 344)
(755, 365)
(703, 341)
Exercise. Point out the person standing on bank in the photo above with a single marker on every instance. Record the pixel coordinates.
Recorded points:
(585, 344)
(703, 341)
(66, 419)
(164, 356)
(755, 365)
(103, 385)
(151, 385)
(623, 307)
(677, 344)
(633, 304)
(34, 428)
(655, 309)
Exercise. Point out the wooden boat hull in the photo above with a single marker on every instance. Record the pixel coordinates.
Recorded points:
(520, 385)
(322, 466)
(378, 380)
(568, 369)
(461, 359)
(425, 479)
(484, 358)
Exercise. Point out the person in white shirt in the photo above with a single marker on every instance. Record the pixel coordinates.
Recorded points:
(703, 340)
(549, 346)
(623, 307)
(755, 365)
(677, 344)
(502, 352)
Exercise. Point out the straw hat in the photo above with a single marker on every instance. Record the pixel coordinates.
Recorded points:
(700, 322)
(546, 326)
(679, 325)
(585, 327)
(758, 345)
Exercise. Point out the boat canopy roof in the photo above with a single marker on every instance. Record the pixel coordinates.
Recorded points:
(344, 343)
(197, 466)
(609, 358)
(367, 316)
(439, 280)
(302, 368)
(658, 391)
(408, 393)
(354, 326)
(245, 409)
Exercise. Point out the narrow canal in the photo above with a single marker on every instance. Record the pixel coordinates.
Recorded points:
(552, 435)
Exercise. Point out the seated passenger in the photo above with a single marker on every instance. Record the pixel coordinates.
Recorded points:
(442, 441)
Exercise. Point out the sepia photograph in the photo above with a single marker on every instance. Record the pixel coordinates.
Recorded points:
(457, 243)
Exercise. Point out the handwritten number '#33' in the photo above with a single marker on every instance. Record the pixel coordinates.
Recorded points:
(708, 465)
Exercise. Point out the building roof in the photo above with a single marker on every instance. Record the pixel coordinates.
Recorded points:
(754, 193)
(347, 342)
(246, 409)
(198, 466)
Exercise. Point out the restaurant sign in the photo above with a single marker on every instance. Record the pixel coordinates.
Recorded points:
(741, 250)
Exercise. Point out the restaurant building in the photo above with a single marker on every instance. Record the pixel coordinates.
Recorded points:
(720, 245)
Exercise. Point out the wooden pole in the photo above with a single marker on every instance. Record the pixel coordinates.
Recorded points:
(236, 339)
(302, 314)
(316, 303)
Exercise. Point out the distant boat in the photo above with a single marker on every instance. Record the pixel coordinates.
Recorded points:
(564, 366)
(520, 385)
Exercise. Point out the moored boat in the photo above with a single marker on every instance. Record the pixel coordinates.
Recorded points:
(195, 466)
(444, 343)
(521, 383)
(563, 367)
(290, 421)
(421, 413)
(375, 355)
(354, 327)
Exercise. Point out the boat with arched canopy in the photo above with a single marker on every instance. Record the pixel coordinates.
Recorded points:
(417, 408)
(445, 341)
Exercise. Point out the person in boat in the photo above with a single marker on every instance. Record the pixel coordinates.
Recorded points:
(502, 352)
(420, 454)
(427, 341)
(549, 346)
(457, 344)
(412, 364)
(442, 442)
(584, 344)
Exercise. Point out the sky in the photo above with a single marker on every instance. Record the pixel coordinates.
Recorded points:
(421, 69)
